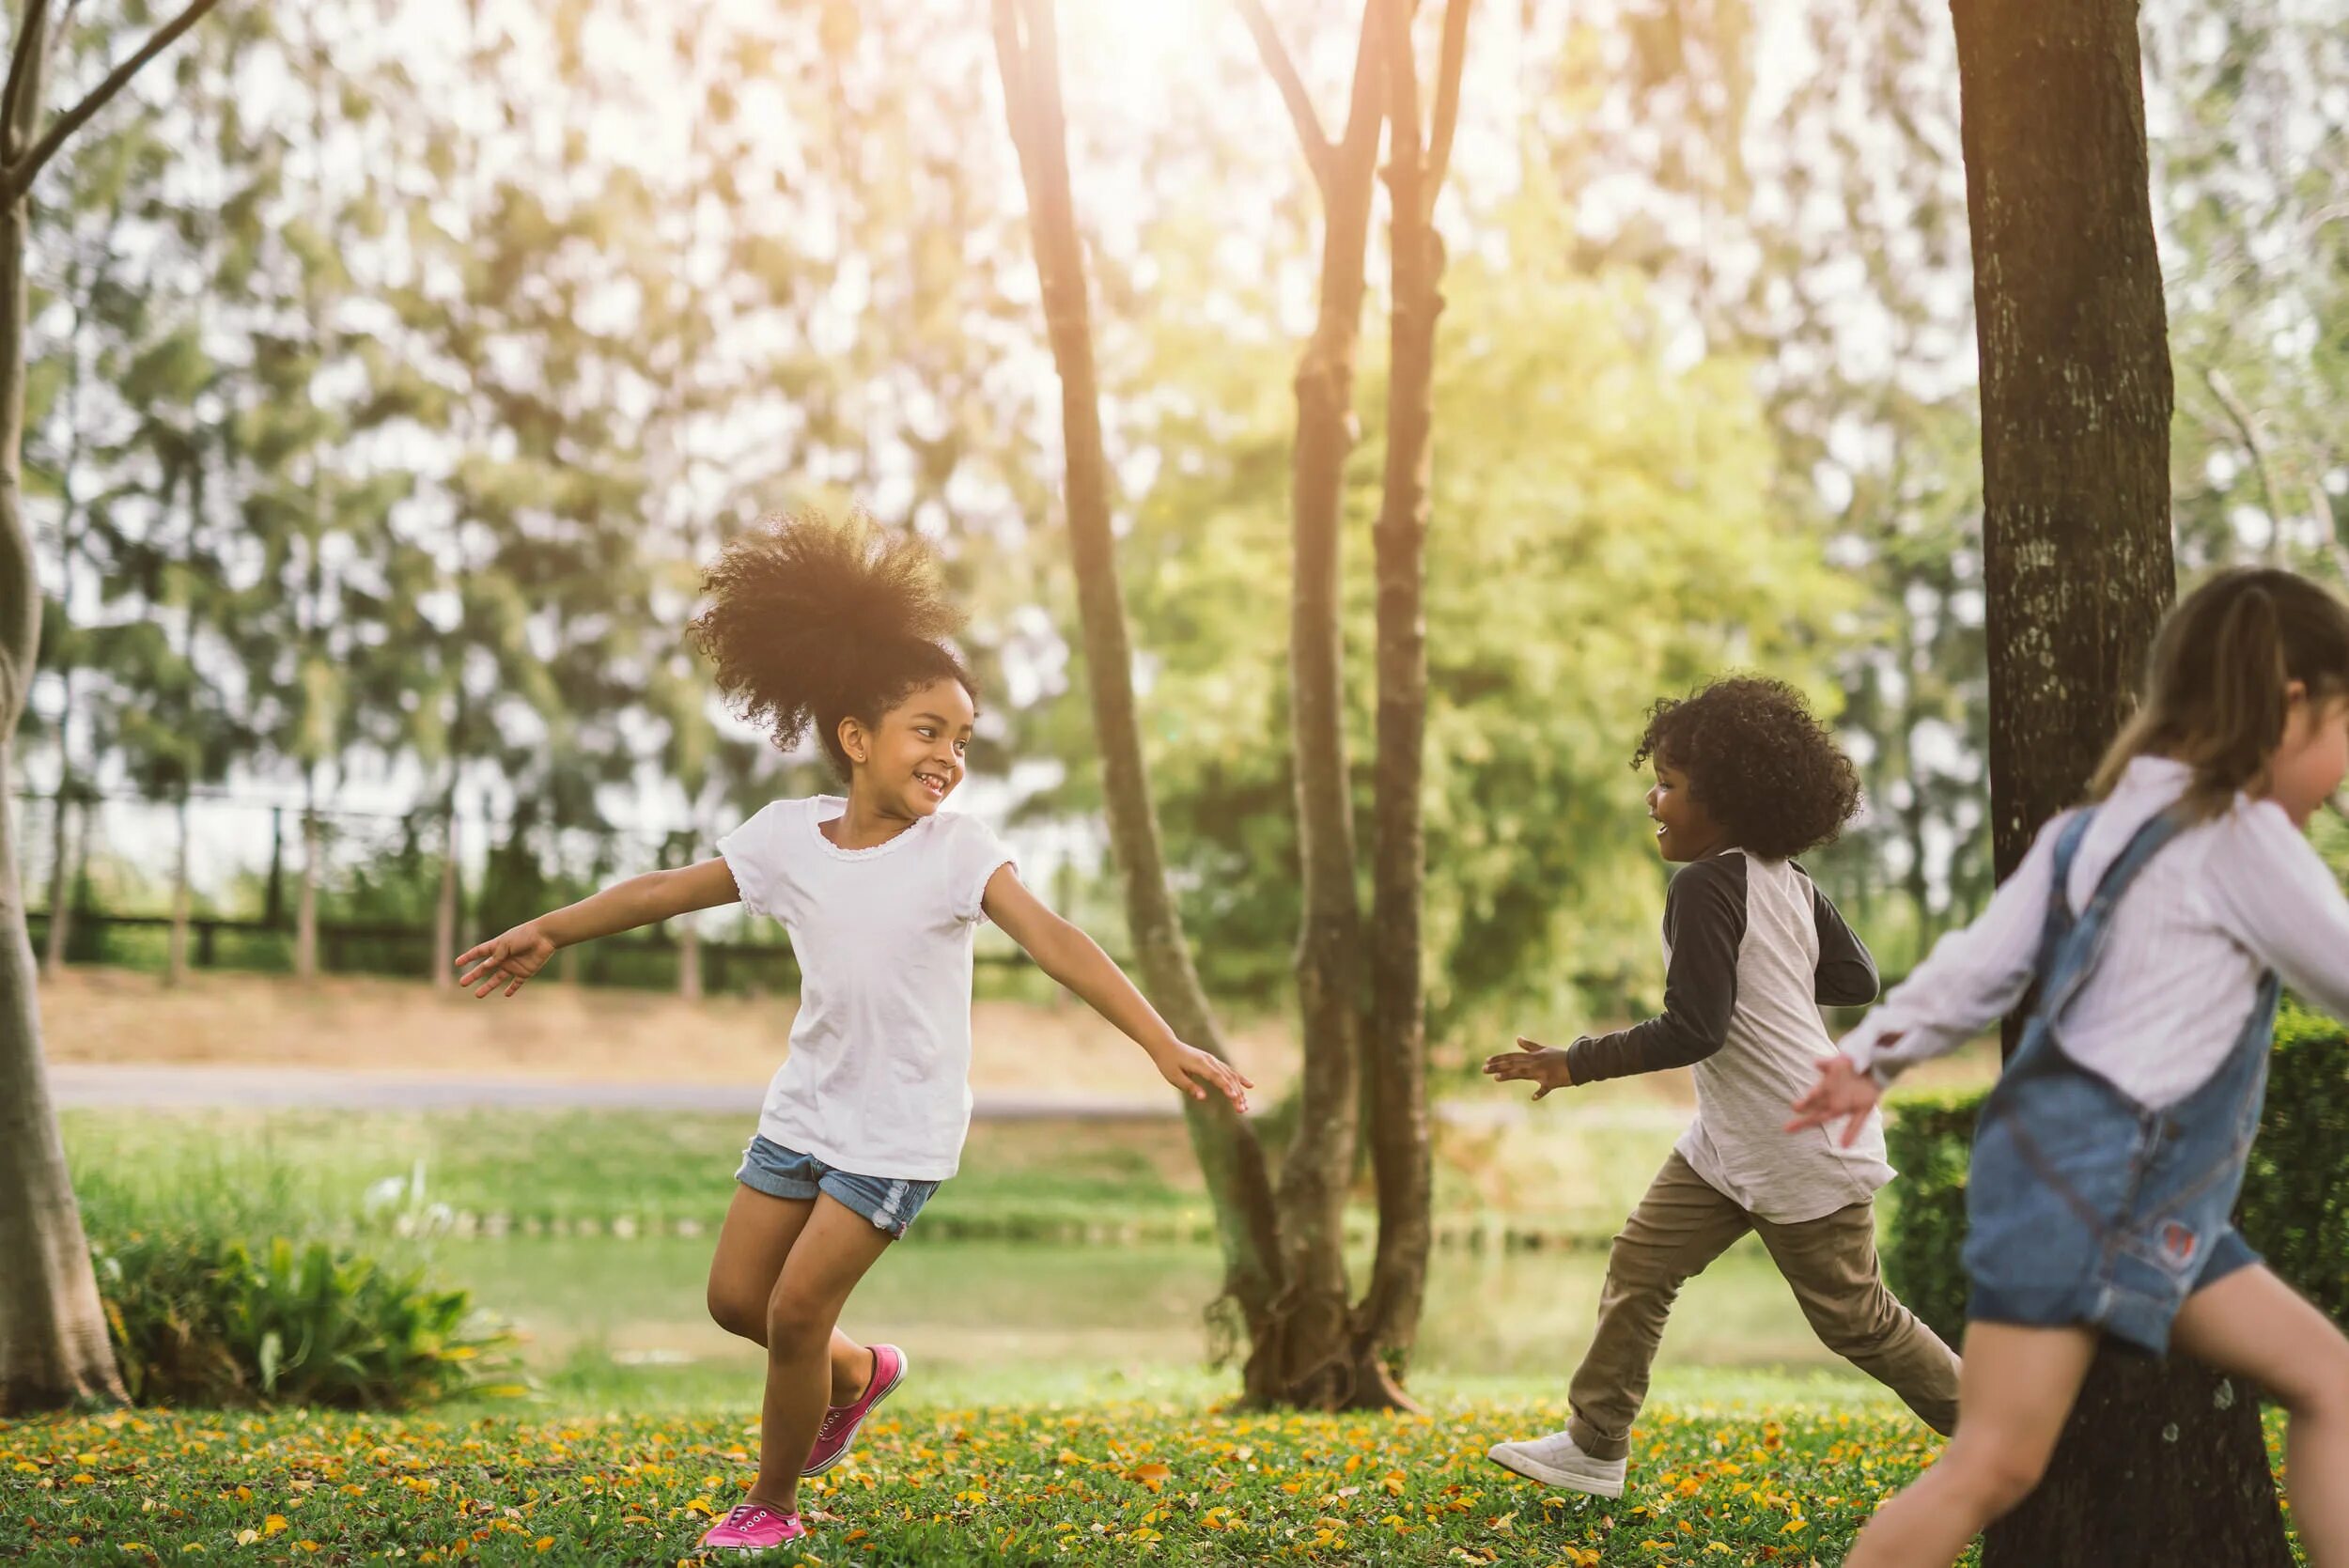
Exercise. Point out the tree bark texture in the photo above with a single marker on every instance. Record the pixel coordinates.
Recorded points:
(1317, 1357)
(1233, 1162)
(54, 1345)
(2160, 1464)
(1395, 1057)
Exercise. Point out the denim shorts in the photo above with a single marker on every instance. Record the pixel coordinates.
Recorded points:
(888, 1202)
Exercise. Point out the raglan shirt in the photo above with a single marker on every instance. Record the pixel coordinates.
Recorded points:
(1751, 951)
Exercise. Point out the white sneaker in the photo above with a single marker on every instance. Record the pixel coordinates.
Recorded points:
(1555, 1461)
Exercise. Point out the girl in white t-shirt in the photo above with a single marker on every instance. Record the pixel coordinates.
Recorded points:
(840, 629)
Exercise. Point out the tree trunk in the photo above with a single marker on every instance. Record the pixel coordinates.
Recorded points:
(305, 954)
(2076, 399)
(1387, 1324)
(60, 877)
(1317, 1362)
(54, 1346)
(444, 903)
(1027, 51)
(175, 971)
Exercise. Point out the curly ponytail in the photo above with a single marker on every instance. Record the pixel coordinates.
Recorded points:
(2215, 692)
(813, 621)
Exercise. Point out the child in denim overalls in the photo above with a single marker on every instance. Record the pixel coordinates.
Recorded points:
(2155, 924)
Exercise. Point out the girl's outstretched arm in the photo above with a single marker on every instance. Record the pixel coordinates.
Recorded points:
(657, 895)
(1076, 961)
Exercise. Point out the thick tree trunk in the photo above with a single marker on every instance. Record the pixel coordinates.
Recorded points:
(175, 970)
(1387, 1323)
(54, 1348)
(1229, 1155)
(2076, 399)
(444, 905)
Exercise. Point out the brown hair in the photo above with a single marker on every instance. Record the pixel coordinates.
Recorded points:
(2215, 686)
(812, 621)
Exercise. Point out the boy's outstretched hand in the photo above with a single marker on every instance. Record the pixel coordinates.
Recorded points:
(1539, 1064)
(1844, 1093)
(512, 958)
(1195, 1071)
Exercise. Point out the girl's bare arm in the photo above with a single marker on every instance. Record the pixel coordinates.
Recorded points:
(657, 895)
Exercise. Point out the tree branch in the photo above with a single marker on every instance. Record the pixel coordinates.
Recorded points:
(1309, 136)
(22, 173)
(1448, 70)
(1011, 60)
(2247, 429)
(1358, 150)
(31, 33)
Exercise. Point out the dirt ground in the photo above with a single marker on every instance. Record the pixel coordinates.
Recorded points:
(558, 1030)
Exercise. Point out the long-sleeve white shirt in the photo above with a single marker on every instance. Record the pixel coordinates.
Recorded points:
(2221, 903)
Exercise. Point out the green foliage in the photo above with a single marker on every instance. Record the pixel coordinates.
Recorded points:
(2296, 1190)
(1607, 536)
(199, 1318)
(1930, 1141)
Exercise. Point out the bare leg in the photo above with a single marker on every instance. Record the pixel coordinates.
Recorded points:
(2253, 1324)
(2015, 1389)
(755, 1238)
(835, 1247)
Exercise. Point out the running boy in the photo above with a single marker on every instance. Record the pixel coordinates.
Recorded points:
(1746, 779)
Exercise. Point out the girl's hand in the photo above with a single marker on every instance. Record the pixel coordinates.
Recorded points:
(513, 958)
(1542, 1065)
(1194, 1072)
(1843, 1092)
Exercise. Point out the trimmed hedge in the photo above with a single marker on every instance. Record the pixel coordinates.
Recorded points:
(2295, 1193)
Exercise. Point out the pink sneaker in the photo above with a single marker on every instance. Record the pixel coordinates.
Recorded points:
(841, 1420)
(753, 1527)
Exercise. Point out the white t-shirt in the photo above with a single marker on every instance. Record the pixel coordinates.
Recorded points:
(879, 1079)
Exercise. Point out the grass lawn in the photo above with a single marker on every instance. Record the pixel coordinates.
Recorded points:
(1740, 1468)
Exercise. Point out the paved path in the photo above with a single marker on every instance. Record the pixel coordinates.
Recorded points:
(143, 1087)
(186, 1088)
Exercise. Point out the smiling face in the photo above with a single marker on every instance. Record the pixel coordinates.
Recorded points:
(1684, 830)
(907, 764)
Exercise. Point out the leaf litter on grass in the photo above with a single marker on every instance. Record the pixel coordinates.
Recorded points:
(1181, 1484)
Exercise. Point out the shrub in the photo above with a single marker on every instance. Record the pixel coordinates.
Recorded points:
(2296, 1192)
(203, 1319)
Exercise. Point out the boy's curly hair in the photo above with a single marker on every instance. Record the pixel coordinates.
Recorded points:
(1758, 760)
(812, 621)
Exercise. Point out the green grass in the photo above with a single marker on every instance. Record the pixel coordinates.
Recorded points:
(1716, 1480)
(1570, 1176)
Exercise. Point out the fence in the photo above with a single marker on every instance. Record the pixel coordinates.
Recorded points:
(378, 880)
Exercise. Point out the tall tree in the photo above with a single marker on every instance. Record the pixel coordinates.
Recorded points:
(2077, 400)
(1315, 1356)
(54, 1345)
(1238, 1183)
(1395, 1032)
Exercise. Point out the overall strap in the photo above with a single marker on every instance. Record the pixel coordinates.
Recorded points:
(2078, 945)
(2057, 924)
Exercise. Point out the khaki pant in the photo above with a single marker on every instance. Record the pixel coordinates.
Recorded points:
(1683, 1224)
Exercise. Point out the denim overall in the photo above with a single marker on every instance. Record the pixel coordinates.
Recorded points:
(2085, 1207)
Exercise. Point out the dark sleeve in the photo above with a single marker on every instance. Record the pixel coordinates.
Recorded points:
(1704, 925)
(1847, 972)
